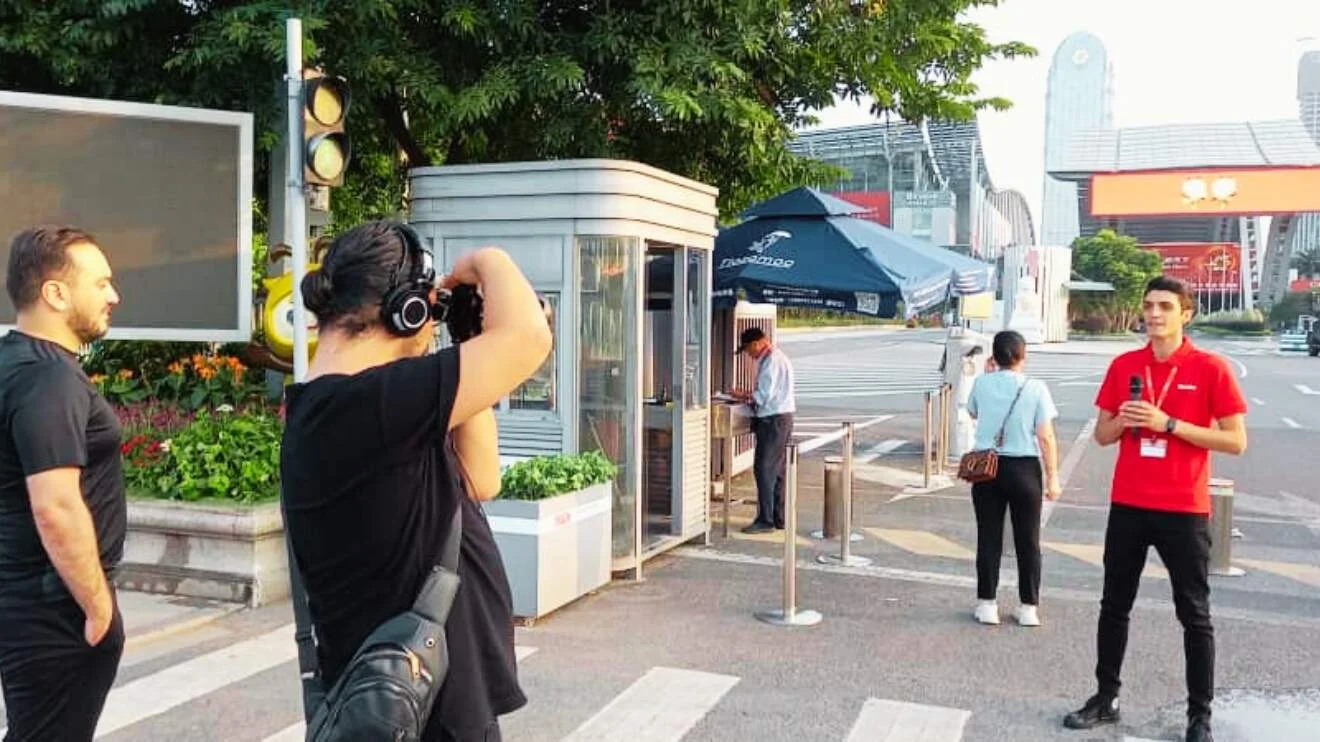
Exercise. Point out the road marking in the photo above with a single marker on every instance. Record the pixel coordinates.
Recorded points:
(924, 543)
(176, 685)
(660, 707)
(298, 732)
(883, 720)
(1304, 389)
(1290, 422)
(1070, 463)
(1240, 366)
(1258, 401)
(1304, 573)
(1093, 382)
(1095, 555)
(878, 450)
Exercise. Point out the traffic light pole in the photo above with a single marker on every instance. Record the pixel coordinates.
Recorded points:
(295, 207)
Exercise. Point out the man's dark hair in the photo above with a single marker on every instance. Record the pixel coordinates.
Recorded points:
(358, 269)
(1008, 348)
(37, 255)
(1175, 286)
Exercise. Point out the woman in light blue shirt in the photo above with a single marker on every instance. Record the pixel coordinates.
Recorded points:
(1022, 407)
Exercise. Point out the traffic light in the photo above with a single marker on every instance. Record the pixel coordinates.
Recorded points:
(326, 149)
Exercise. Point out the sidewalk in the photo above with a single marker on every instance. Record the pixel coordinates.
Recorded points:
(149, 617)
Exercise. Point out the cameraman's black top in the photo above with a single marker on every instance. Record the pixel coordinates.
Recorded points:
(53, 418)
(370, 486)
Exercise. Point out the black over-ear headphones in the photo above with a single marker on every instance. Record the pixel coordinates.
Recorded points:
(406, 306)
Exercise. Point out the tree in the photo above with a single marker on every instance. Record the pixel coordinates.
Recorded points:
(709, 89)
(1118, 260)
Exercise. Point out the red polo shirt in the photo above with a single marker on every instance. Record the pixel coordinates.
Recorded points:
(1203, 389)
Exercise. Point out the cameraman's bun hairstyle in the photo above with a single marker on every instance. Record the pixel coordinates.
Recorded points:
(356, 272)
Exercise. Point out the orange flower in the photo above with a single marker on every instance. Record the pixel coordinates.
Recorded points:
(125, 373)
(206, 372)
(97, 379)
(198, 360)
(176, 368)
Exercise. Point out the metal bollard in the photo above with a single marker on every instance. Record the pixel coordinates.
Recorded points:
(832, 498)
(789, 615)
(1221, 529)
(845, 557)
(926, 453)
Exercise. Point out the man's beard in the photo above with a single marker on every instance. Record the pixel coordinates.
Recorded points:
(85, 328)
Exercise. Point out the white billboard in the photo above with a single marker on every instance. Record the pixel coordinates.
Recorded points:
(165, 190)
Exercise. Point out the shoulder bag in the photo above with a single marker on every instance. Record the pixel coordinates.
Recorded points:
(388, 689)
(983, 465)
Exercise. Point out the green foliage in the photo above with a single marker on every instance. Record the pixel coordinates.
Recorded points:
(1233, 320)
(195, 382)
(224, 456)
(1307, 262)
(547, 476)
(1286, 311)
(711, 90)
(1120, 261)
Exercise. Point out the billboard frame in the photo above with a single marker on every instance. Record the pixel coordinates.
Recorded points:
(242, 123)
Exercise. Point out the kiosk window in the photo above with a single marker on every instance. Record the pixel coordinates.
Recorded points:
(538, 392)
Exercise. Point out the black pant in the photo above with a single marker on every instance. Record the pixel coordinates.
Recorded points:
(772, 436)
(1018, 487)
(55, 684)
(1183, 543)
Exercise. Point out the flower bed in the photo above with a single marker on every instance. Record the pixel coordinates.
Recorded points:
(201, 465)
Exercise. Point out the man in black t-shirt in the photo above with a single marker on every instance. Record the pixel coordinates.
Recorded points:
(383, 441)
(62, 508)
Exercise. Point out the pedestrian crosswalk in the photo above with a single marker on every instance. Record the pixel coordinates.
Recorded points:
(912, 368)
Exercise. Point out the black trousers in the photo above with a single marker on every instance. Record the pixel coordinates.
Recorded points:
(768, 466)
(1183, 542)
(1019, 488)
(55, 684)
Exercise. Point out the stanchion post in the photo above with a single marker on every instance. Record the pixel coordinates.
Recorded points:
(1221, 529)
(788, 614)
(945, 412)
(925, 443)
(845, 557)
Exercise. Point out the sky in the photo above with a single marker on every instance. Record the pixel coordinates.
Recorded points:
(1175, 61)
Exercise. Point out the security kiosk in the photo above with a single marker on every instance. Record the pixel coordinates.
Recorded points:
(622, 253)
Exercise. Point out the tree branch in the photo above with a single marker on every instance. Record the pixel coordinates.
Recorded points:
(391, 111)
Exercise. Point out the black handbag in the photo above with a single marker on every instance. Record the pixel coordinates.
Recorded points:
(388, 689)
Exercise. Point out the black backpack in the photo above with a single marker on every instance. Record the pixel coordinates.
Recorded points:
(388, 689)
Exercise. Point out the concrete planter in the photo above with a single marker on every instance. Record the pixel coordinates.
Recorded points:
(222, 552)
(554, 550)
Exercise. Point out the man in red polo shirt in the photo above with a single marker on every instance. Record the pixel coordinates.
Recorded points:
(1167, 405)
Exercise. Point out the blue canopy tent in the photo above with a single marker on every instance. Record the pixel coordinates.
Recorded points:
(805, 248)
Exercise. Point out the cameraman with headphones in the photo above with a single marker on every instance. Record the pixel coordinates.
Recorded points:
(384, 440)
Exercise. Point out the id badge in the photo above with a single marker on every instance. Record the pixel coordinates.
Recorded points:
(1154, 448)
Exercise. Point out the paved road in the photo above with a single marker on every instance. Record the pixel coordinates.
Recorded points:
(680, 656)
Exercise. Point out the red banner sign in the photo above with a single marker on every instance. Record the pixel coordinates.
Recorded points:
(1203, 266)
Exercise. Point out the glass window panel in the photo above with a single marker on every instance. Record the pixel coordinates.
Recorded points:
(698, 328)
(539, 391)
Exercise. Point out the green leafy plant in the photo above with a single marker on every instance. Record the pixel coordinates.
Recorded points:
(547, 476)
(222, 455)
(1233, 320)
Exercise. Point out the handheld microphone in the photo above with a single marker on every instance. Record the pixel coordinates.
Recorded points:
(1134, 392)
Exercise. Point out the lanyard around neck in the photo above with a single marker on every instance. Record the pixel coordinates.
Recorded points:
(1168, 382)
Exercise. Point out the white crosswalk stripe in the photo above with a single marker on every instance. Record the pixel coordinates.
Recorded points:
(664, 704)
(911, 371)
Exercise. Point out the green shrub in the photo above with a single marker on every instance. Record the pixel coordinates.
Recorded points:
(1233, 320)
(221, 455)
(547, 476)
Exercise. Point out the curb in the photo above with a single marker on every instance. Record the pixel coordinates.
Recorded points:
(138, 641)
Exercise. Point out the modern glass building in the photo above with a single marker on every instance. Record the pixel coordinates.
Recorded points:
(895, 169)
(1079, 95)
(1307, 236)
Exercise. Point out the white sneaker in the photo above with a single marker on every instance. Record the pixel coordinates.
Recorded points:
(1026, 615)
(987, 612)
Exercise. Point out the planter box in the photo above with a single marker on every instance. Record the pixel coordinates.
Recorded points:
(221, 552)
(554, 550)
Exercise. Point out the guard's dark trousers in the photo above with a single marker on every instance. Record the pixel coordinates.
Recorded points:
(1019, 488)
(1183, 543)
(772, 435)
(55, 684)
